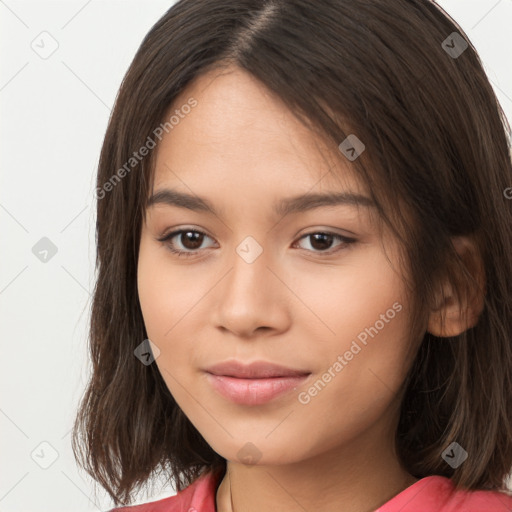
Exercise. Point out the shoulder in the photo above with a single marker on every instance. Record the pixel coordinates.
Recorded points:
(438, 494)
(199, 496)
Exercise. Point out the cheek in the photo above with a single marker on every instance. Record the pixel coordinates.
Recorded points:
(358, 381)
(354, 299)
(153, 298)
(165, 294)
(168, 301)
(364, 319)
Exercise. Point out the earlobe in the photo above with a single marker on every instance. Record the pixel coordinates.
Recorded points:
(452, 314)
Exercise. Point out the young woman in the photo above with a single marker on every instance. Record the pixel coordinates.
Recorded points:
(304, 234)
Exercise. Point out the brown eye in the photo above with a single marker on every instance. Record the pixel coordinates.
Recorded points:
(322, 242)
(184, 242)
(191, 239)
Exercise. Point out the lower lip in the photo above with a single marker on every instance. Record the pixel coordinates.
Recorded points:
(253, 391)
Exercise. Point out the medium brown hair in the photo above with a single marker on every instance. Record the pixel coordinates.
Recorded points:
(436, 154)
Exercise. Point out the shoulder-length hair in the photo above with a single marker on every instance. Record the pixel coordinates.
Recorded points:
(436, 153)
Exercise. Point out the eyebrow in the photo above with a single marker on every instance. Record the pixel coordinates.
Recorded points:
(286, 206)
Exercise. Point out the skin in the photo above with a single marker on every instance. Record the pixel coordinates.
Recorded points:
(242, 149)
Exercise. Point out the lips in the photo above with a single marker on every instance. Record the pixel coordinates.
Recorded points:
(255, 370)
(255, 383)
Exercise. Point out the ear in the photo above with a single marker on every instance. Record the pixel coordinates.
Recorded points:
(454, 315)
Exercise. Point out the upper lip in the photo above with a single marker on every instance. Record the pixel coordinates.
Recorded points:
(254, 370)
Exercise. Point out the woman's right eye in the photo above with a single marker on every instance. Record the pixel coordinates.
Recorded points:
(190, 240)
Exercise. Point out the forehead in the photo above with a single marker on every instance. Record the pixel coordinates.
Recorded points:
(240, 133)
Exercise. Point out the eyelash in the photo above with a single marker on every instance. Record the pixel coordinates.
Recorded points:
(187, 254)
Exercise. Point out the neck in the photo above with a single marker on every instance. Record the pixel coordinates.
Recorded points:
(361, 476)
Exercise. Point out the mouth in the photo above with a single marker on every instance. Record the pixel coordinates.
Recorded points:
(255, 383)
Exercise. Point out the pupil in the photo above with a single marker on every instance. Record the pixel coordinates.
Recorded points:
(322, 238)
(195, 237)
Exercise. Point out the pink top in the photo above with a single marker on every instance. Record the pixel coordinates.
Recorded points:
(429, 494)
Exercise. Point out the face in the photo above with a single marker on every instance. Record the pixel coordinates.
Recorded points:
(313, 289)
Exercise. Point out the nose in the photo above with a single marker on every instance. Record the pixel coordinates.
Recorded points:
(252, 298)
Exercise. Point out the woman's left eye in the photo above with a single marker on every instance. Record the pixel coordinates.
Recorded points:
(321, 239)
(192, 239)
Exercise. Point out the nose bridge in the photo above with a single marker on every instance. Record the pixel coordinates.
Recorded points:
(249, 296)
(249, 267)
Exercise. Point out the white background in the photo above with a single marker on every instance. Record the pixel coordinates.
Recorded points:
(53, 116)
